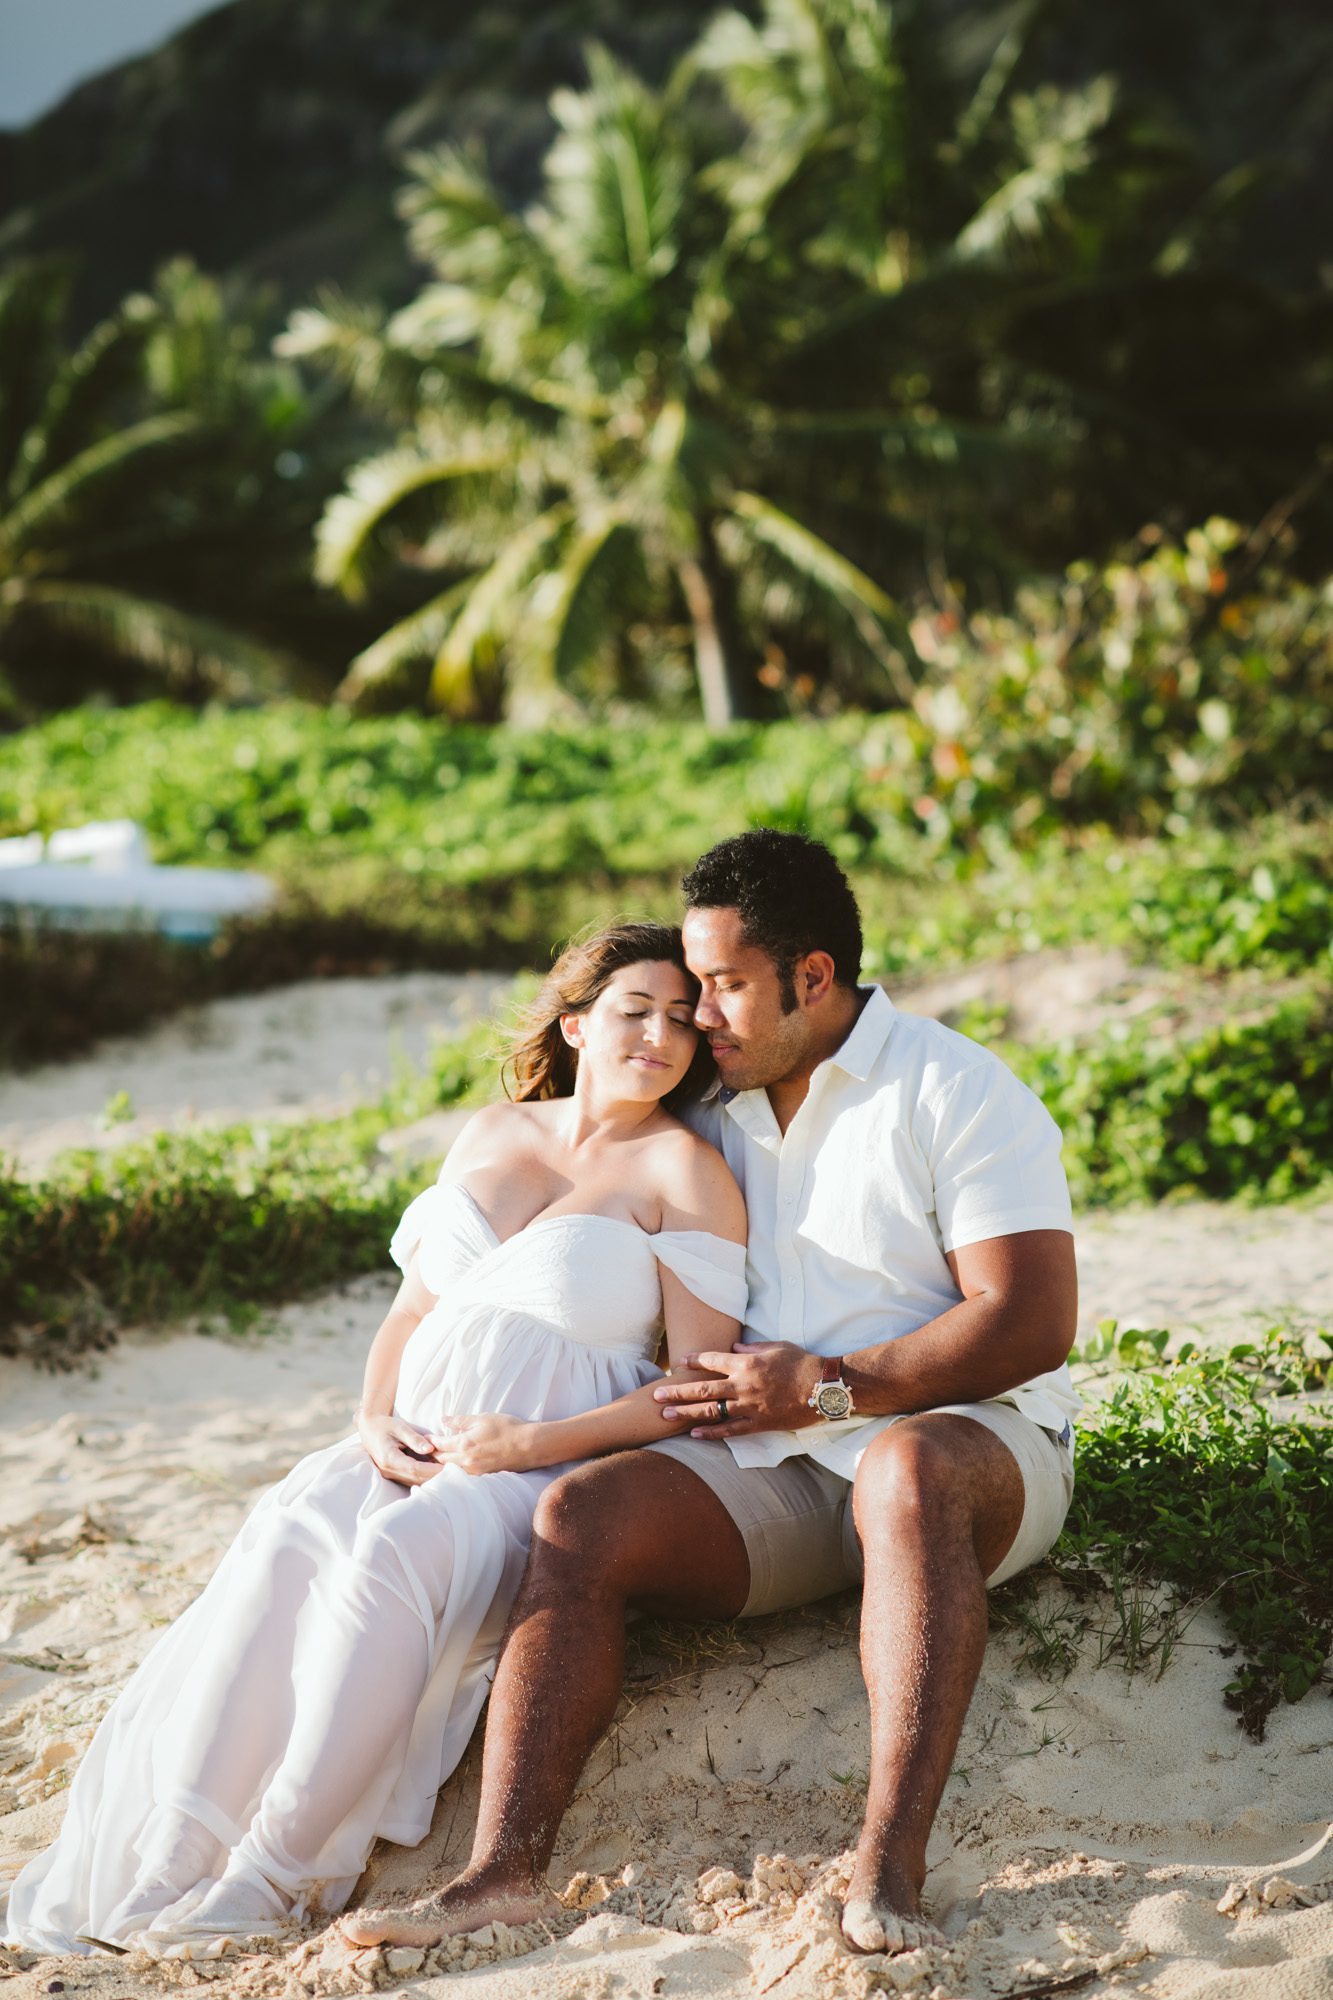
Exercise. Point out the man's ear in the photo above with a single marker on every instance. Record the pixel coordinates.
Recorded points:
(815, 977)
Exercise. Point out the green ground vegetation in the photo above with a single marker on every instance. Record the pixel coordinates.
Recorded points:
(1203, 1479)
(220, 1219)
(1137, 756)
(217, 1221)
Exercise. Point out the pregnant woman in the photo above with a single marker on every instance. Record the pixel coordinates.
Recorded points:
(323, 1687)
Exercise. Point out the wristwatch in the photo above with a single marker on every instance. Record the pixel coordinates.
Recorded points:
(831, 1398)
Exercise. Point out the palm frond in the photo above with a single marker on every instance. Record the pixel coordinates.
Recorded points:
(84, 392)
(572, 604)
(350, 343)
(414, 639)
(820, 89)
(871, 610)
(440, 316)
(502, 365)
(1055, 130)
(988, 98)
(34, 295)
(181, 647)
(350, 532)
(493, 604)
(59, 496)
(616, 176)
(774, 73)
(457, 223)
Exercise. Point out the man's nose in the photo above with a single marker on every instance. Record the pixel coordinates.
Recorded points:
(707, 1013)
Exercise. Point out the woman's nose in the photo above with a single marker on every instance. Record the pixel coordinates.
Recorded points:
(655, 1029)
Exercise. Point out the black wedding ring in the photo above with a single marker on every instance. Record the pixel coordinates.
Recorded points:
(722, 1409)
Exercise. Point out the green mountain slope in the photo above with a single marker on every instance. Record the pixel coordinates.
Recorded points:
(264, 138)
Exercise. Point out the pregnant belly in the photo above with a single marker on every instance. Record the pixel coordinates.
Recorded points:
(522, 1370)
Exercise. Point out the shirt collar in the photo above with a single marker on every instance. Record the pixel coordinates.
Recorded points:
(870, 1030)
(856, 1057)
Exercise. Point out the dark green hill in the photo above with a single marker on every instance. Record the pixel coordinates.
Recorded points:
(264, 138)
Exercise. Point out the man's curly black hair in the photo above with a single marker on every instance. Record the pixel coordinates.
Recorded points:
(791, 896)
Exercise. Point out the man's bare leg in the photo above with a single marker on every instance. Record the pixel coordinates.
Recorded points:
(638, 1528)
(938, 1502)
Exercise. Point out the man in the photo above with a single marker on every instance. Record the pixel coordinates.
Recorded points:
(899, 1407)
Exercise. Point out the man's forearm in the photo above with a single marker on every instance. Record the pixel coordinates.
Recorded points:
(1015, 1319)
(982, 1347)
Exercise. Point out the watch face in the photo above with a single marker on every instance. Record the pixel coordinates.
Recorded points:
(833, 1400)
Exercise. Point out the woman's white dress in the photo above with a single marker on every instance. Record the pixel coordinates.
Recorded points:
(323, 1687)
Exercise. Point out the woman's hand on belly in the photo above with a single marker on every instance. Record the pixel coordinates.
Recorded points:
(401, 1451)
(486, 1444)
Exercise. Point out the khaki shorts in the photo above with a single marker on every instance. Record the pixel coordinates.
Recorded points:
(796, 1517)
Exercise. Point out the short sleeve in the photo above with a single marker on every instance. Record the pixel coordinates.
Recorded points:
(707, 1265)
(994, 1152)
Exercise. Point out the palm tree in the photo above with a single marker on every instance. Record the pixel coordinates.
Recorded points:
(1028, 271)
(574, 455)
(736, 368)
(104, 451)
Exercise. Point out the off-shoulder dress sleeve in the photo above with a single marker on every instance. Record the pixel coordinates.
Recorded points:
(709, 1266)
(444, 1229)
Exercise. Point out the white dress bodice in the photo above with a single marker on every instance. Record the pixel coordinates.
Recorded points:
(560, 1318)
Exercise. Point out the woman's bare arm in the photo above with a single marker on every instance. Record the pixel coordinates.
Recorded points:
(390, 1441)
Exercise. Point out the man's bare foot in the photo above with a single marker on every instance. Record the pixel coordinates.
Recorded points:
(869, 1926)
(462, 1906)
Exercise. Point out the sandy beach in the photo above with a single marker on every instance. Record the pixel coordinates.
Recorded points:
(1089, 1833)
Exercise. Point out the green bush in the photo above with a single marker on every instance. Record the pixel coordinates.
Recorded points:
(1222, 899)
(1193, 679)
(178, 1225)
(1187, 1473)
(214, 1221)
(1245, 1109)
(403, 842)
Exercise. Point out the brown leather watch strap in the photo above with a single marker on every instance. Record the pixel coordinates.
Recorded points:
(831, 1369)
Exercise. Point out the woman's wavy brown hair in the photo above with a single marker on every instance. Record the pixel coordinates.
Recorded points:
(541, 1060)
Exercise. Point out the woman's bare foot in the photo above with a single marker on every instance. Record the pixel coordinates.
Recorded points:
(463, 1906)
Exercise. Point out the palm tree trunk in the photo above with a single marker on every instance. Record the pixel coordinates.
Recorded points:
(723, 689)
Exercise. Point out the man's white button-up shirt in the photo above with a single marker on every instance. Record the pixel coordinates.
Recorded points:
(912, 1141)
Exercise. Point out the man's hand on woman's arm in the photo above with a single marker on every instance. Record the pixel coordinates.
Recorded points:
(1015, 1319)
(480, 1443)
